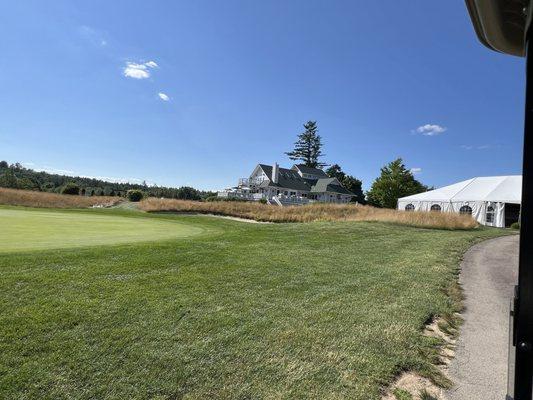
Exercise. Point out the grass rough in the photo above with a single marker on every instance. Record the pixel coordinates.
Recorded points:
(311, 213)
(28, 198)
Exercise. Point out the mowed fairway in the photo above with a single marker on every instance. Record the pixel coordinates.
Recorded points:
(241, 311)
(41, 229)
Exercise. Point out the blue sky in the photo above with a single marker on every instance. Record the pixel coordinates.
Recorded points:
(81, 82)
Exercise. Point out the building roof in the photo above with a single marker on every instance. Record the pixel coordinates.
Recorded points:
(287, 178)
(304, 169)
(290, 179)
(329, 185)
(505, 189)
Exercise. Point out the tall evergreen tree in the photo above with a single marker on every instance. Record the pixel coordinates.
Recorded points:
(308, 147)
(394, 182)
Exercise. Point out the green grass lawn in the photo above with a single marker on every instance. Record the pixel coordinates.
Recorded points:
(240, 311)
(44, 229)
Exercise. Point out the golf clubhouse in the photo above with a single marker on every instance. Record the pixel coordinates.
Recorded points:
(492, 201)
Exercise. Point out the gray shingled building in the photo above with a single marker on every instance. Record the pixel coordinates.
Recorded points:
(298, 185)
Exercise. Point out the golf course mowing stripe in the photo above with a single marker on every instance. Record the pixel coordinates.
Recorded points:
(26, 230)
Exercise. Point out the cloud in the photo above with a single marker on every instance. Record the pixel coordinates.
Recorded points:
(163, 96)
(53, 170)
(92, 36)
(139, 71)
(430, 129)
(479, 147)
(115, 180)
(416, 170)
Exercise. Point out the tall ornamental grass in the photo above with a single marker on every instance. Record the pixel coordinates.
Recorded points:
(311, 213)
(28, 198)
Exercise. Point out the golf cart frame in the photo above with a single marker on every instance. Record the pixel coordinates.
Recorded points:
(503, 26)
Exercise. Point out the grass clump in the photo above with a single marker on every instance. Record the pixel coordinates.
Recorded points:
(425, 395)
(312, 213)
(28, 198)
(402, 394)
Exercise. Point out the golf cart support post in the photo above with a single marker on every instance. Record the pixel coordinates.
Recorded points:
(502, 25)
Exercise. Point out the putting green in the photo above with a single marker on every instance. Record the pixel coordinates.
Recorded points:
(22, 230)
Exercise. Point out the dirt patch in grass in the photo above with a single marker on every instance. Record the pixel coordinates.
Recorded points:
(312, 213)
(420, 387)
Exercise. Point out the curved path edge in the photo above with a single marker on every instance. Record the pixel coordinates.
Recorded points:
(489, 272)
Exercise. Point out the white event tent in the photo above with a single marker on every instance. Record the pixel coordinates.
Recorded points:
(492, 200)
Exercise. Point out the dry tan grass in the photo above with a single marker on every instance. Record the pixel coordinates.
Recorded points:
(28, 198)
(310, 213)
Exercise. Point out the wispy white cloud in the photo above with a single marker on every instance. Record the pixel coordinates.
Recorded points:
(139, 70)
(430, 129)
(53, 170)
(114, 180)
(416, 170)
(163, 96)
(479, 147)
(93, 36)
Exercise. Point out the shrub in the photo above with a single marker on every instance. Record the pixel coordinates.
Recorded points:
(134, 195)
(71, 188)
(515, 225)
(262, 201)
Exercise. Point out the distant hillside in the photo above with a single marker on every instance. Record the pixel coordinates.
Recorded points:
(15, 176)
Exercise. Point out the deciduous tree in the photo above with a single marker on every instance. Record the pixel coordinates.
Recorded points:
(394, 182)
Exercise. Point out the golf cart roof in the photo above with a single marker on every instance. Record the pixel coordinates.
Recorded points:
(501, 24)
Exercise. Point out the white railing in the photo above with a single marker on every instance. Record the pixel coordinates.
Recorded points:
(228, 194)
(283, 200)
(250, 182)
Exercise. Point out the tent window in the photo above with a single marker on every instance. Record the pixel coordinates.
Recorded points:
(409, 207)
(435, 207)
(467, 210)
(489, 218)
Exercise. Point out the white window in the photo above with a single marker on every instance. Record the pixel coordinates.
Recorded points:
(465, 210)
(436, 208)
(409, 207)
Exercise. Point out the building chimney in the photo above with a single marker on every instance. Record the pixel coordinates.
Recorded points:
(275, 173)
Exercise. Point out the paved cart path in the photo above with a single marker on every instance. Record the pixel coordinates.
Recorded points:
(489, 273)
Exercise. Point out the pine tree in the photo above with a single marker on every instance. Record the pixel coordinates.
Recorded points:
(308, 147)
(394, 182)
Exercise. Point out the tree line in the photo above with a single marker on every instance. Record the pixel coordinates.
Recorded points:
(16, 176)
